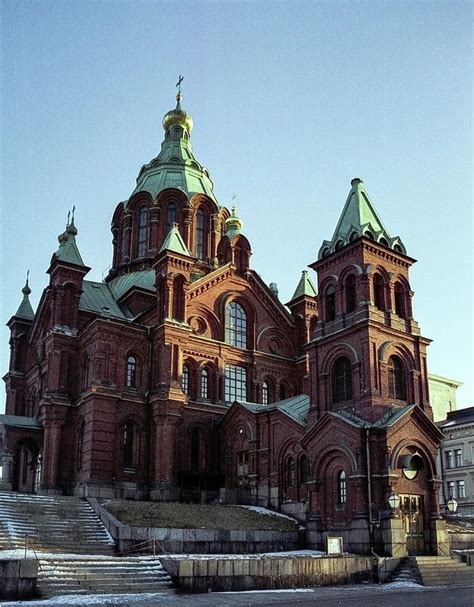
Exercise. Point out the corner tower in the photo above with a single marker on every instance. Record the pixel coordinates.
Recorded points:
(368, 349)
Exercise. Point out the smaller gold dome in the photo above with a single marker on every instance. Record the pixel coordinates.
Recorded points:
(178, 116)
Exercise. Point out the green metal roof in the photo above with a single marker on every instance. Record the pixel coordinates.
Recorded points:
(359, 218)
(97, 297)
(20, 421)
(174, 242)
(385, 421)
(175, 166)
(143, 280)
(296, 407)
(305, 287)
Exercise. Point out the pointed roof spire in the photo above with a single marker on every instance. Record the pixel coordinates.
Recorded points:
(359, 218)
(174, 242)
(25, 310)
(68, 250)
(305, 287)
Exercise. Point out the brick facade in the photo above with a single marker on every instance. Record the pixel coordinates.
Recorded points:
(182, 376)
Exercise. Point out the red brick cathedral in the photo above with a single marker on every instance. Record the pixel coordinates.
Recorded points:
(183, 377)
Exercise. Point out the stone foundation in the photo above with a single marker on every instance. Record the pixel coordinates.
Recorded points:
(18, 578)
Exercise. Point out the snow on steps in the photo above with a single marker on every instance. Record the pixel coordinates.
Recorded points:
(71, 574)
(52, 523)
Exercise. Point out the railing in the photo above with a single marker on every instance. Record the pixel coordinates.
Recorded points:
(152, 546)
(26, 547)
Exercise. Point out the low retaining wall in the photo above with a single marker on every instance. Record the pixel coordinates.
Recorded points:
(197, 541)
(231, 574)
(18, 578)
(461, 541)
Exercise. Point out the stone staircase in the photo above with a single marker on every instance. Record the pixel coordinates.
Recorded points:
(52, 524)
(442, 571)
(406, 571)
(74, 550)
(107, 575)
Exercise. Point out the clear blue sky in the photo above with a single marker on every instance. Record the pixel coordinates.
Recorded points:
(290, 101)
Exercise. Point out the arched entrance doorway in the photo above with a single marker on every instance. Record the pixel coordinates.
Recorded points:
(27, 464)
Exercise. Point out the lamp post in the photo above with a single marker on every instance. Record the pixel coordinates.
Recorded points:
(452, 505)
(394, 501)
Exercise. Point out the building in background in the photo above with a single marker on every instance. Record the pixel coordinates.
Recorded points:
(182, 376)
(442, 395)
(457, 460)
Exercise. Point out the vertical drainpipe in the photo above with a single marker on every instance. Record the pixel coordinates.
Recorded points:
(369, 488)
(148, 417)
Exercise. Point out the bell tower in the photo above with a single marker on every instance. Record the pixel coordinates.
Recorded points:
(367, 350)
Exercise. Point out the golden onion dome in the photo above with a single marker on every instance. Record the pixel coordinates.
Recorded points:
(178, 116)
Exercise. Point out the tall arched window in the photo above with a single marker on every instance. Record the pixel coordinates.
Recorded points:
(396, 378)
(171, 216)
(379, 292)
(235, 325)
(342, 380)
(142, 234)
(200, 235)
(350, 288)
(341, 488)
(265, 393)
(204, 388)
(330, 303)
(185, 379)
(290, 472)
(282, 392)
(178, 298)
(304, 469)
(131, 372)
(128, 440)
(400, 300)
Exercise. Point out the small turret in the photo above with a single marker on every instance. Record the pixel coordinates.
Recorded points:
(25, 310)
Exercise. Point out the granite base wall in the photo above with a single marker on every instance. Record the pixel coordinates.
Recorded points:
(18, 578)
(265, 573)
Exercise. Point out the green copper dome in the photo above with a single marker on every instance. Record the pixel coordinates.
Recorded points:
(175, 166)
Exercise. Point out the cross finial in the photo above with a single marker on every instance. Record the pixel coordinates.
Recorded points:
(72, 215)
(178, 84)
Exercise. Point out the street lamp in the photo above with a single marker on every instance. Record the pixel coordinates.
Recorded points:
(452, 505)
(394, 501)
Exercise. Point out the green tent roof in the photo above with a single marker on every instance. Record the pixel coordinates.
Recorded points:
(359, 218)
(305, 287)
(174, 242)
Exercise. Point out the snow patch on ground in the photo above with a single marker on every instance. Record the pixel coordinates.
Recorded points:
(93, 599)
(267, 512)
(289, 554)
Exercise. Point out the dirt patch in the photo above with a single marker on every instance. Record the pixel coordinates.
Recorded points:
(195, 516)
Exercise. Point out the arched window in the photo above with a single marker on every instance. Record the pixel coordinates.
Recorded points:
(400, 301)
(128, 440)
(86, 373)
(369, 235)
(178, 298)
(342, 380)
(304, 469)
(282, 392)
(131, 372)
(200, 235)
(350, 293)
(235, 325)
(396, 378)
(142, 234)
(341, 488)
(204, 388)
(330, 303)
(290, 472)
(379, 292)
(171, 216)
(185, 379)
(265, 393)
